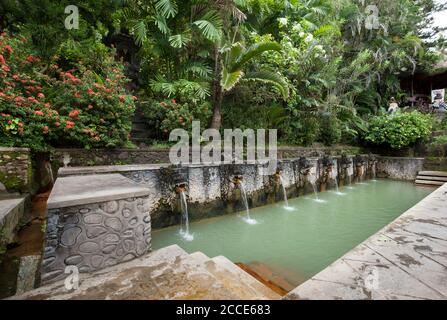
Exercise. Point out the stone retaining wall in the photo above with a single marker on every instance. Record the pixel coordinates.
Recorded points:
(15, 169)
(212, 189)
(105, 157)
(399, 168)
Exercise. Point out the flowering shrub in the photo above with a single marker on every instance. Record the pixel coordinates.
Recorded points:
(168, 115)
(44, 106)
(400, 130)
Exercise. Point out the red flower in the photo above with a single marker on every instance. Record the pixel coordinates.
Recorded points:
(39, 113)
(45, 130)
(90, 92)
(57, 124)
(73, 113)
(90, 107)
(70, 124)
(122, 98)
(174, 101)
(77, 95)
(30, 58)
(40, 95)
(2, 59)
(9, 49)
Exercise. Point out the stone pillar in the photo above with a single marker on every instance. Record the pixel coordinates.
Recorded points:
(94, 222)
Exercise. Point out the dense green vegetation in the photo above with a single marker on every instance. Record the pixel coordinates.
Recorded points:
(317, 70)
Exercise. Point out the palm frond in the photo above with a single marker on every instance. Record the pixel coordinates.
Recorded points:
(272, 78)
(210, 25)
(167, 8)
(230, 79)
(179, 40)
(253, 51)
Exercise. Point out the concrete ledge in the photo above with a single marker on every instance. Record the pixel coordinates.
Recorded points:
(13, 149)
(11, 211)
(74, 191)
(405, 260)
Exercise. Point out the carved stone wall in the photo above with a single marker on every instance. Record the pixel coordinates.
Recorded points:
(95, 236)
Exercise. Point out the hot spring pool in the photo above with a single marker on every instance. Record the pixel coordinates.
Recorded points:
(300, 243)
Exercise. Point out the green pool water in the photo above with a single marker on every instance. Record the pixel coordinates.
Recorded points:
(302, 242)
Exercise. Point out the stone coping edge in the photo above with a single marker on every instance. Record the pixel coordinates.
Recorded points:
(68, 171)
(99, 197)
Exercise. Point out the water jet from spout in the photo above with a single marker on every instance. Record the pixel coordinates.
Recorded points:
(247, 217)
(184, 229)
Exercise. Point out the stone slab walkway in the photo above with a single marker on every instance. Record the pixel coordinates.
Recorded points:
(405, 260)
(166, 274)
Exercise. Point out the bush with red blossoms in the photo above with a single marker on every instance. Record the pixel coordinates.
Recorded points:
(43, 106)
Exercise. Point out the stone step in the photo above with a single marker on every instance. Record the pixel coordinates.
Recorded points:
(432, 178)
(200, 256)
(236, 275)
(433, 173)
(428, 182)
(117, 282)
(169, 273)
(242, 286)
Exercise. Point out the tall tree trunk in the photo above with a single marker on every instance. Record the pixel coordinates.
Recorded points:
(218, 93)
(217, 109)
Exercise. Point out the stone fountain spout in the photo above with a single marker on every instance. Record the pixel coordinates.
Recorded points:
(360, 163)
(304, 166)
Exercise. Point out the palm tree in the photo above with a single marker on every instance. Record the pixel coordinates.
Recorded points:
(234, 59)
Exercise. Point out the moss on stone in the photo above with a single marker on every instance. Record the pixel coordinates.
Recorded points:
(12, 183)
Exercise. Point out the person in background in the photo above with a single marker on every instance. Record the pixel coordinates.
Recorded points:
(438, 103)
(393, 106)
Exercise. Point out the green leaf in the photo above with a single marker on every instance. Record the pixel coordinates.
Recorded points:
(168, 8)
(139, 31)
(252, 52)
(179, 40)
(210, 25)
(272, 78)
(230, 79)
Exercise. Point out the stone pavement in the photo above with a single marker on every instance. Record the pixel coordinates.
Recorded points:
(168, 273)
(405, 260)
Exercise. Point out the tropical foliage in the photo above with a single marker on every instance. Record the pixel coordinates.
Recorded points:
(399, 131)
(43, 106)
(319, 71)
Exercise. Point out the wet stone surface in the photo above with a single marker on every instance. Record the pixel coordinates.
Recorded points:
(405, 260)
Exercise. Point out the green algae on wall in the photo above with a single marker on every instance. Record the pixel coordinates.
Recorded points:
(15, 169)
